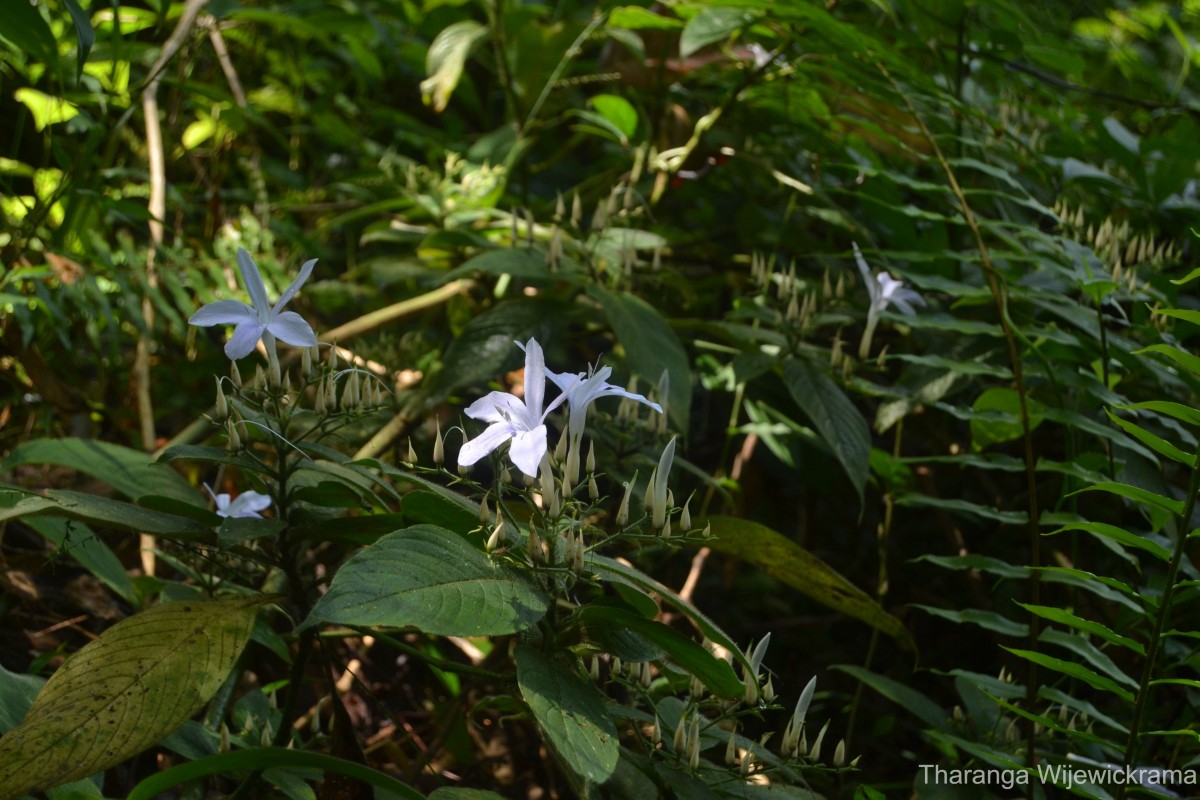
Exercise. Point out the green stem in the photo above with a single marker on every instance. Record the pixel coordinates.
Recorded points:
(1160, 619)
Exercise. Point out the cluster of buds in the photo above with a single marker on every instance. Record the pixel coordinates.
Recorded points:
(799, 303)
(687, 738)
(1114, 243)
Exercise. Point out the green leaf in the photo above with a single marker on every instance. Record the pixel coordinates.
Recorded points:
(460, 793)
(1174, 410)
(434, 580)
(486, 344)
(571, 712)
(1005, 424)
(916, 500)
(618, 111)
(25, 28)
(131, 472)
(82, 544)
(1080, 646)
(1086, 625)
(913, 701)
(84, 35)
(520, 262)
(984, 619)
(835, 418)
(614, 571)
(1073, 670)
(446, 59)
(785, 560)
(1153, 441)
(1138, 495)
(650, 347)
(257, 758)
(435, 509)
(638, 18)
(1184, 359)
(123, 692)
(1119, 535)
(46, 109)
(713, 672)
(713, 25)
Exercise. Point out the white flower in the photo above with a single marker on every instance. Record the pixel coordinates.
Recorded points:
(521, 420)
(247, 504)
(884, 291)
(253, 322)
(581, 390)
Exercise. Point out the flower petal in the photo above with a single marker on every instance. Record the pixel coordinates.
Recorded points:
(565, 381)
(253, 281)
(291, 328)
(535, 378)
(223, 312)
(872, 288)
(498, 407)
(245, 337)
(527, 449)
(903, 306)
(248, 504)
(484, 443)
(290, 291)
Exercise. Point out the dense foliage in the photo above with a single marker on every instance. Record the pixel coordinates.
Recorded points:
(720, 399)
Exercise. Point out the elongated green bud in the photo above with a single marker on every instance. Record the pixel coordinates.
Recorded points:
(221, 406)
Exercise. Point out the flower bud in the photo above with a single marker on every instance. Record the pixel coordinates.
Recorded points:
(235, 441)
(485, 514)
(306, 361)
(622, 518)
(235, 375)
(593, 489)
(319, 398)
(731, 748)
(590, 466)
(685, 517)
(439, 449)
(839, 753)
(221, 410)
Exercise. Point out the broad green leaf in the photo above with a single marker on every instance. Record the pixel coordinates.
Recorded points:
(1187, 315)
(91, 508)
(434, 509)
(984, 619)
(131, 472)
(486, 345)
(17, 692)
(650, 347)
(404, 476)
(1070, 668)
(713, 25)
(1119, 535)
(1086, 625)
(434, 580)
(446, 59)
(713, 672)
(571, 712)
(1005, 425)
(835, 418)
(1153, 441)
(618, 111)
(910, 699)
(160, 783)
(610, 569)
(785, 560)
(123, 692)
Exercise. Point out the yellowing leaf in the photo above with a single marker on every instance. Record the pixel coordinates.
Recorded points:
(120, 694)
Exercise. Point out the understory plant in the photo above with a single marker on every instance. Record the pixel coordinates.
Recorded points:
(528, 564)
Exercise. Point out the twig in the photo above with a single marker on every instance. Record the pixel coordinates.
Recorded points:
(157, 207)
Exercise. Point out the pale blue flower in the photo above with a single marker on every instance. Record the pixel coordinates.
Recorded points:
(581, 390)
(884, 291)
(246, 504)
(253, 322)
(521, 420)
